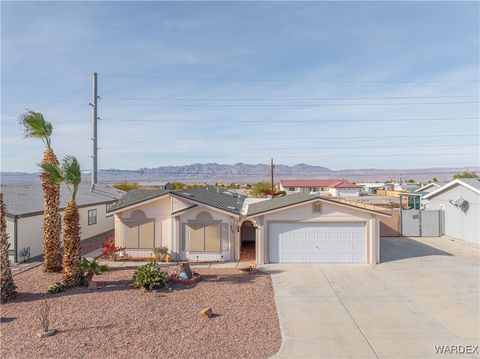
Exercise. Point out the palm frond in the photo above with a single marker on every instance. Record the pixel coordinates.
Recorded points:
(34, 125)
(53, 171)
(72, 173)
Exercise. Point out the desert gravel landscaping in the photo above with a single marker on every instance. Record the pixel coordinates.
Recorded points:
(119, 321)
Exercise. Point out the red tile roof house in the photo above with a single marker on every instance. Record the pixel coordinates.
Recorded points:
(333, 187)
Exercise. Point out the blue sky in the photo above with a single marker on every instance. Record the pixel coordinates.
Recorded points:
(342, 85)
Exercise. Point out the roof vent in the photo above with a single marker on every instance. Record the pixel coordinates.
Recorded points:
(231, 208)
(228, 193)
(187, 194)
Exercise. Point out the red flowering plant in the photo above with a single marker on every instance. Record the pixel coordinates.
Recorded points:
(109, 249)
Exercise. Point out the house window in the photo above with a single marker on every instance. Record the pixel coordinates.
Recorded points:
(291, 189)
(205, 235)
(317, 207)
(92, 216)
(141, 236)
(108, 206)
(139, 231)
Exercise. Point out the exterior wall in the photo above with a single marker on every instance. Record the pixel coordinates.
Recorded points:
(460, 225)
(11, 237)
(160, 210)
(178, 205)
(229, 254)
(321, 190)
(390, 227)
(344, 192)
(169, 230)
(330, 214)
(30, 230)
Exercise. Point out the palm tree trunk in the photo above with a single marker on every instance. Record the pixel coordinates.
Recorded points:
(72, 274)
(52, 223)
(9, 290)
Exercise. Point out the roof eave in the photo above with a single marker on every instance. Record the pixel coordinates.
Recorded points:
(449, 185)
(346, 205)
(193, 201)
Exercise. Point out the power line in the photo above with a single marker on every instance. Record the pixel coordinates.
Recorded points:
(297, 105)
(282, 80)
(329, 156)
(328, 147)
(260, 121)
(276, 99)
(296, 138)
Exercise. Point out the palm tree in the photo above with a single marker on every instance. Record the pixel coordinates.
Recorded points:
(36, 126)
(69, 173)
(9, 290)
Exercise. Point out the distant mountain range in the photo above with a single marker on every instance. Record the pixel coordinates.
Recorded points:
(249, 173)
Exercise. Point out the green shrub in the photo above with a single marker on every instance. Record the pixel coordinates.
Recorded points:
(91, 268)
(56, 288)
(149, 277)
(126, 186)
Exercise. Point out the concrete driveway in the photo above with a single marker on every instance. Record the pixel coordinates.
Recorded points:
(424, 294)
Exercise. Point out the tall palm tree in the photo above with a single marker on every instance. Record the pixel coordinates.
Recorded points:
(9, 289)
(36, 126)
(69, 173)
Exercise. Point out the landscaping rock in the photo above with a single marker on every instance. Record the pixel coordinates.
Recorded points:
(45, 334)
(206, 312)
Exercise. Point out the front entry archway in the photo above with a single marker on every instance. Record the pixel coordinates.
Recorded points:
(247, 241)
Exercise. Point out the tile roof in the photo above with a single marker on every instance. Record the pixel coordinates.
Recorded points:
(215, 197)
(298, 198)
(279, 202)
(27, 198)
(137, 196)
(331, 183)
(209, 195)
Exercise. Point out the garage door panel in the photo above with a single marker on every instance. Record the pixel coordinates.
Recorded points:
(316, 242)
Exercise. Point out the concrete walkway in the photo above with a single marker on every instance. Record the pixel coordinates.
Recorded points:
(424, 294)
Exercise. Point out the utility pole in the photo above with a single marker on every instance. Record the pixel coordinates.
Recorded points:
(94, 105)
(272, 166)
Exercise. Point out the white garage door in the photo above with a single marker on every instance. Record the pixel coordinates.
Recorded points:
(316, 242)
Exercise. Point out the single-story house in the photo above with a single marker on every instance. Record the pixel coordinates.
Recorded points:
(334, 187)
(371, 187)
(460, 201)
(24, 214)
(211, 224)
(429, 187)
(406, 187)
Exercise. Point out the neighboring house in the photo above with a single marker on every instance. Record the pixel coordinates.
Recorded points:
(430, 187)
(335, 187)
(406, 187)
(24, 215)
(209, 224)
(460, 199)
(371, 187)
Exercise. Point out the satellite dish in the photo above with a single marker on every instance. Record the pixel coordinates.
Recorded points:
(462, 204)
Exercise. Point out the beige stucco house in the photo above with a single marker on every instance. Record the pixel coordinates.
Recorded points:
(210, 224)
